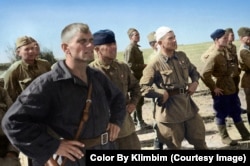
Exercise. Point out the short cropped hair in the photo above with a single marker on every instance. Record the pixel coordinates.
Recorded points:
(70, 30)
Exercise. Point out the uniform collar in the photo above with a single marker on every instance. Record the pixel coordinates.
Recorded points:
(106, 67)
(29, 66)
(62, 73)
(166, 58)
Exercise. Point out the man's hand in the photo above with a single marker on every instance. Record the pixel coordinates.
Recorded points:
(70, 149)
(165, 97)
(130, 108)
(192, 87)
(218, 91)
(113, 131)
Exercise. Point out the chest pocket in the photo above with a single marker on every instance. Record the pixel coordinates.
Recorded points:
(222, 67)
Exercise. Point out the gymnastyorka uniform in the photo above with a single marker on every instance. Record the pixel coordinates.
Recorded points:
(244, 61)
(20, 75)
(172, 75)
(120, 74)
(221, 66)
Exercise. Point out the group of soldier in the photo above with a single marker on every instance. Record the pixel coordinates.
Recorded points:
(221, 74)
(46, 104)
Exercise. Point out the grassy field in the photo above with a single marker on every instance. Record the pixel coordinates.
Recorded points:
(193, 51)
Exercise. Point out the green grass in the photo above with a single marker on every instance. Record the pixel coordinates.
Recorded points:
(193, 51)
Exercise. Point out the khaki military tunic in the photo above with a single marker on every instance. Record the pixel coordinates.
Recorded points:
(20, 75)
(230, 49)
(167, 74)
(223, 68)
(134, 57)
(244, 61)
(120, 74)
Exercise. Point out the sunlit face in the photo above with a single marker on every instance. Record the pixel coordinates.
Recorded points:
(27, 53)
(230, 37)
(37, 48)
(135, 36)
(153, 45)
(80, 47)
(222, 41)
(246, 40)
(169, 41)
(107, 51)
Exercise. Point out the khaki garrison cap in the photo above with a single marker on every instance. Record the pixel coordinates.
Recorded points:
(131, 30)
(151, 37)
(229, 30)
(22, 41)
(244, 31)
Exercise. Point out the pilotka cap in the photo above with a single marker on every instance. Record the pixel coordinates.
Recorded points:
(22, 41)
(151, 37)
(243, 31)
(131, 30)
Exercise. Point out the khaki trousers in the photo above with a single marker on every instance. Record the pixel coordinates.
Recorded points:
(193, 130)
(130, 142)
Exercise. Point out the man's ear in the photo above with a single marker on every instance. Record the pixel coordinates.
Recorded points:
(64, 47)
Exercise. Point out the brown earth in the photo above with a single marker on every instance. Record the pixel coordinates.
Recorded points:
(204, 101)
(213, 140)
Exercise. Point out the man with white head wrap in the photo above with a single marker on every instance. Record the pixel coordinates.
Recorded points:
(176, 115)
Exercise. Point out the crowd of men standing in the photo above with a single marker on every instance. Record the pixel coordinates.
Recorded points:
(96, 103)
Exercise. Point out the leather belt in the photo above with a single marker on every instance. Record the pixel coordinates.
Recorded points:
(102, 139)
(176, 91)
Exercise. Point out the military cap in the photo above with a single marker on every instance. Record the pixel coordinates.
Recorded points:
(104, 37)
(32, 39)
(131, 30)
(22, 41)
(151, 37)
(229, 30)
(218, 33)
(243, 31)
(162, 31)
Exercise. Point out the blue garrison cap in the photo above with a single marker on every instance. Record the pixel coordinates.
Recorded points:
(218, 33)
(104, 37)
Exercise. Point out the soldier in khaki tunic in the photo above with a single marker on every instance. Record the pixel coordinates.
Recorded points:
(23, 72)
(244, 61)
(222, 66)
(120, 74)
(134, 58)
(231, 49)
(176, 115)
(153, 44)
(8, 153)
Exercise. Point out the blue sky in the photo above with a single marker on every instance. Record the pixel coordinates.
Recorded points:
(192, 21)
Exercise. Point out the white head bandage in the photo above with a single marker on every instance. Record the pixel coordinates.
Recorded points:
(161, 31)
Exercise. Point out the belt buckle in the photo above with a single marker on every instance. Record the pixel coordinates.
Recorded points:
(182, 91)
(104, 138)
